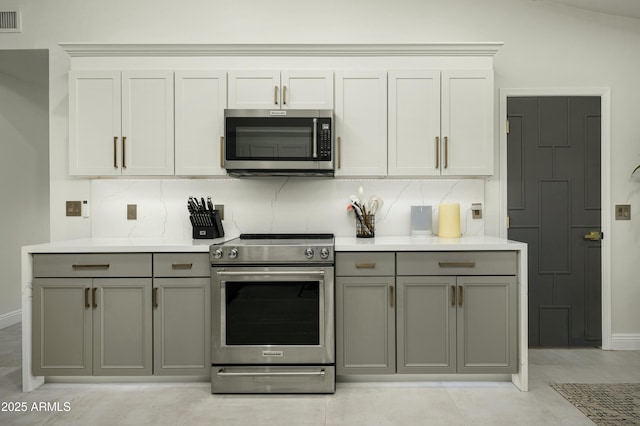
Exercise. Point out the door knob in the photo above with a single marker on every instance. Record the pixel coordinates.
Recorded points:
(593, 236)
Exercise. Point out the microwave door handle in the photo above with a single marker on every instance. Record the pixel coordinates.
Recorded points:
(315, 138)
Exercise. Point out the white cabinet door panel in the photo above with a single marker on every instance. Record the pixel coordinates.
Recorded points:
(94, 122)
(307, 89)
(147, 123)
(201, 97)
(250, 89)
(467, 122)
(414, 123)
(361, 123)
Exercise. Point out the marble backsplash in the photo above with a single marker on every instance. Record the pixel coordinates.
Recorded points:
(291, 204)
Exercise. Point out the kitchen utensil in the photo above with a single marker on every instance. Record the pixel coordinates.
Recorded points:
(375, 204)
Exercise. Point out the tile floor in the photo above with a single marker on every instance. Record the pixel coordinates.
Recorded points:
(352, 404)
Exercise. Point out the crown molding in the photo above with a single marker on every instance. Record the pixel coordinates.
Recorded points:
(423, 49)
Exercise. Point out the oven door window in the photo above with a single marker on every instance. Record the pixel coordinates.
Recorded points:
(274, 139)
(272, 313)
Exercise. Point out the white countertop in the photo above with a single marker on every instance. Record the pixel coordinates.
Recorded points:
(406, 243)
(391, 243)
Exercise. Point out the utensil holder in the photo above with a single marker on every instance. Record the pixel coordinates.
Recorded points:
(366, 226)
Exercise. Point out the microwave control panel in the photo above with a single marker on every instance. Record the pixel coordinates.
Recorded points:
(324, 142)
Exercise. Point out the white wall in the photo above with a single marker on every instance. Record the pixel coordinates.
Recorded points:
(546, 45)
(24, 167)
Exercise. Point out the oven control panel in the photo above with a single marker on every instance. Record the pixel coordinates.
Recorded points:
(240, 254)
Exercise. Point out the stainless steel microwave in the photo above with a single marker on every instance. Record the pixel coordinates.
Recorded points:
(278, 142)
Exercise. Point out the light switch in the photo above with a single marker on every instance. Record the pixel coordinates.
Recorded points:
(74, 208)
(132, 211)
(623, 211)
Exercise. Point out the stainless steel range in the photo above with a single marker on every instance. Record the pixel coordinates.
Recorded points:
(273, 314)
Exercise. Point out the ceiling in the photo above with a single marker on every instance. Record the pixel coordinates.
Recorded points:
(626, 8)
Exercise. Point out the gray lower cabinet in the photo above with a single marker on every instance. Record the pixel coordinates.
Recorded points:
(99, 326)
(92, 314)
(365, 313)
(181, 314)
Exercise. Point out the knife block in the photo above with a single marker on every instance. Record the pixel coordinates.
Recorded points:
(206, 226)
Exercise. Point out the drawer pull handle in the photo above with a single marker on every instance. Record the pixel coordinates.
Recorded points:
(366, 265)
(155, 297)
(98, 266)
(453, 295)
(86, 298)
(461, 295)
(95, 304)
(391, 296)
(181, 265)
(457, 264)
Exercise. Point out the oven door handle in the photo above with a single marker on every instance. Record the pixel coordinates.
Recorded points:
(222, 372)
(273, 273)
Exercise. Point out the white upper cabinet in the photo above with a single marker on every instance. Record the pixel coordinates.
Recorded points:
(121, 123)
(200, 100)
(361, 123)
(441, 123)
(467, 122)
(269, 89)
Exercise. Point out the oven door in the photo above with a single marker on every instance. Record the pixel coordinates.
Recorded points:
(273, 315)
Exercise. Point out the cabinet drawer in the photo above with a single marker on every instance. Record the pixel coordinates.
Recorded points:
(92, 265)
(457, 263)
(181, 265)
(365, 263)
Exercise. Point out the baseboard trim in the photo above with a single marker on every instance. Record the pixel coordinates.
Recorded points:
(10, 318)
(625, 342)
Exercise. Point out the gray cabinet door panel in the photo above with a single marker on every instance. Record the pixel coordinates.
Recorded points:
(61, 327)
(365, 336)
(122, 329)
(487, 325)
(182, 326)
(426, 326)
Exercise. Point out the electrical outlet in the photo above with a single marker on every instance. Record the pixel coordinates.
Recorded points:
(476, 211)
(623, 211)
(74, 208)
(132, 211)
(220, 208)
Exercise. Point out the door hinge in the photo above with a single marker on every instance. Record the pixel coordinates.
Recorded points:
(507, 126)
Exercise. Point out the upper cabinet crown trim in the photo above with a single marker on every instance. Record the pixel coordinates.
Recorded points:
(417, 49)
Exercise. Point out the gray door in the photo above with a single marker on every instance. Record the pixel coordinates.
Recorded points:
(553, 154)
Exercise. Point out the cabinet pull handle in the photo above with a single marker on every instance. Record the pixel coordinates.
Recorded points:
(155, 298)
(446, 152)
(457, 264)
(460, 299)
(124, 152)
(366, 265)
(391, 296)
(284, 95)
(221, 151)
(275, 95)
(437, 152)
(115, 152)
(86, 298)
(181, 265)
(93, 294)
(339, 152)
(453, 295)
(97, 266)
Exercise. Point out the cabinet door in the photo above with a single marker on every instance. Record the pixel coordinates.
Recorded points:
(307, 89)
(147, 123)
(426, 325)
(182, 329)
(467, 122)
(94, 123)
(122, 339)
(365, 331)
(414, 123)
(361, 123)
(250, 89)
(62, 327)
(487, 324)
(201, 97)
